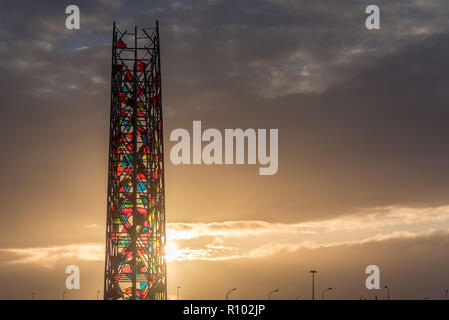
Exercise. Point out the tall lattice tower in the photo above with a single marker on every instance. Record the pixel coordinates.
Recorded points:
(135, 266)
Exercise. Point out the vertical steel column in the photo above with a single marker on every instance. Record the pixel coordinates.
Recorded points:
(158, 49)
(134, 169)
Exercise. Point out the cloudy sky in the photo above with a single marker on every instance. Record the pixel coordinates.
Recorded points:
(363, 121)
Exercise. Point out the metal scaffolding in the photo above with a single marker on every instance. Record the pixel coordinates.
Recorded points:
(135, 266)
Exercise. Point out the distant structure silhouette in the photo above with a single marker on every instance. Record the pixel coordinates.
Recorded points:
(135, 266)
(313, 283)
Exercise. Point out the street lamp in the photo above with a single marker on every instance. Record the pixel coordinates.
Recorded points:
(324, 291)
(388, 292)
(313, 283)
(271, 292)
(229, 292)
(177, 292)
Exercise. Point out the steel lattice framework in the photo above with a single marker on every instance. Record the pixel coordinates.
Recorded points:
(135, 266)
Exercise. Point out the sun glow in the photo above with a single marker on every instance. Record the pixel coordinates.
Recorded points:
(171, 251)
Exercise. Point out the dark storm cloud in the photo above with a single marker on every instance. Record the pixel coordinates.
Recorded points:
(378, 138)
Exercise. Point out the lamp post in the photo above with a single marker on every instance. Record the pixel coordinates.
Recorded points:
(324, 291)
(271, 292)
(313, 283)
(177, 292)
(229, 292)
(388, 292)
